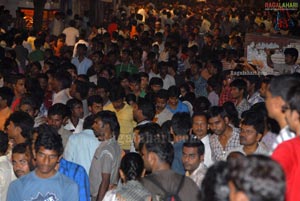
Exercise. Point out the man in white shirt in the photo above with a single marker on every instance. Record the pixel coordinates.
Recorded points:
(193, 160)
(71, 34)
(199, 131)
(6, 170)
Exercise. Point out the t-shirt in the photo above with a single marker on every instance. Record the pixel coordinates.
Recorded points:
(32, 188)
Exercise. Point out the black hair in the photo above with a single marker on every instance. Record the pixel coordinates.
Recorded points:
(215, 111)
(110, 118)
(24, 121)
(135, 78)
(163, 94)
(232, 113)
(64, 78)
(117, 93)
(293, 98)
(132, 165)
(58, 109)
(293, 52)
(181, 123)
(241, 85)
(195, 143)
(94, 99)
(201, 104)
(164, 150)
(215, 183)
(103, 83)
(3, 143)
(48, 138)
(251, 118)
(259, 177)
(280, 85)
(130, 97)
(88, 122)
(156, 81)
(173, 91)
(7, 94)
(72, 103)
(82, 88)
(16, 77)
(147, 108)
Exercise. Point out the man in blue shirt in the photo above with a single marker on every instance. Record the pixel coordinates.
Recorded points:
(45, 182)
(180, 127)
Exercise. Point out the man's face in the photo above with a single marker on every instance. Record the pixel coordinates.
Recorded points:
(217, 125)
(19, 87)
(289, 59)
(272, 104)
(173, 101)
(190, 158)
(95, 108)
(101, 92)
(145, 156)
(144, 82)
(263, 90)
(28, 109)
(77, 111)
(236, 93)
(55, 121)
(160, 104)
(199, 126)
(136, 112)
(248, 135)
(12, 130)
(20, 162)
(194, 69)
(46, 161)
(101, 130)
(118, 104)
(155, 88)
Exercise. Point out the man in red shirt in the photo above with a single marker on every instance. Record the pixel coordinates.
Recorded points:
(287, 154)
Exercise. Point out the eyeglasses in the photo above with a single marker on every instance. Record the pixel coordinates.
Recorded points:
(284, 108)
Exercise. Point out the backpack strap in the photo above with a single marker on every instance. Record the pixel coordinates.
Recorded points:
(154, 181)
(180, 184)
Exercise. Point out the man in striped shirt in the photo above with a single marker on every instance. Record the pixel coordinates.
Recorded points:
(276, 98)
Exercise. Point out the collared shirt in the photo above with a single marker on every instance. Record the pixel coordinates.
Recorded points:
(60, 97)
(255, 98)
(65, 134)
(284, 135)
(207, 153)
(78, 174)
(69, 126)
(82, 66)
(127, 123)
(81, 148)
(261, 149)
(168, 81)
(218, 152)
(198, 175)
(200, 86)
(242, 106)
(268, 139)
(7, 175)
(181, 107)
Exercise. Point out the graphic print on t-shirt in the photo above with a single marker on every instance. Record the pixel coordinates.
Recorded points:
(47, 197)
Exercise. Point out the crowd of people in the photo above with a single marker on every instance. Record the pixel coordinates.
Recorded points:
(157, 103)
